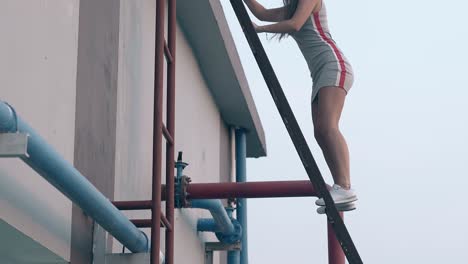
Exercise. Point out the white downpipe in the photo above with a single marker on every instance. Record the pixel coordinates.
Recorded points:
(232, 176)
(232, 139)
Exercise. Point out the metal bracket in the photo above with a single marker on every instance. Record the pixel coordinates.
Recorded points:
(99, 244)
(14, 145)
(216, 246)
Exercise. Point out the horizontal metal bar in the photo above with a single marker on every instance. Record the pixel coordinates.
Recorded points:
(167, 53)
(133, 205)
(217, 246)
(147, 223)
(167, 135)
(142, 223)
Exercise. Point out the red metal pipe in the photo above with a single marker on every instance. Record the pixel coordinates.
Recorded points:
(171, 70)
(335, 252)
(250, 190)
(157, 131)
(270, 189)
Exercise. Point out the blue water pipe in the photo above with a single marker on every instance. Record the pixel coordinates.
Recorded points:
(227, 229)
(220, 217)
(60, 173)
(241, 176)
(233, 257)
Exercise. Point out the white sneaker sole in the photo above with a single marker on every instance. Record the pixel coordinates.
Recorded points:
(340, 207)
(321, 202)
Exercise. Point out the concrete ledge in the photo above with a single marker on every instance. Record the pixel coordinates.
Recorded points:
(205, 26)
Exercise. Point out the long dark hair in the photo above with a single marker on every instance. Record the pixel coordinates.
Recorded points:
(291, 6)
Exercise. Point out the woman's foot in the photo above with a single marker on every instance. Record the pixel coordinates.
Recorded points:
(339, 207)
(339, 195)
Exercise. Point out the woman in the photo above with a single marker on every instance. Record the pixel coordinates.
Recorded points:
(332, 75)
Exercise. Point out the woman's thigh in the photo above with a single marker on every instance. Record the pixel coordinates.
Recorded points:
(327, 109)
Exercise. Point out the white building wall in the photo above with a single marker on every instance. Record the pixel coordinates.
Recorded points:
(134, 142)
(39, 78)
(38, 54)
(198, 135)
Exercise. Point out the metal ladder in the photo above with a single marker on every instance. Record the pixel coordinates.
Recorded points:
(295, 133)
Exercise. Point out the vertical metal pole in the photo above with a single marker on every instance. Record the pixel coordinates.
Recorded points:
(209, 257)
(241, 176)
(233, 257)
(335, 252)
(157, 131)
(171, 128)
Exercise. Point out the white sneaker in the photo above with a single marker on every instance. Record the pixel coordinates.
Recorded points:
(339, 195)
(339, 207)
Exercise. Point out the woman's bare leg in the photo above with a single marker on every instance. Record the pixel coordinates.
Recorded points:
(326, 113)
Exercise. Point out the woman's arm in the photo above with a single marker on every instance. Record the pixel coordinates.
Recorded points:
(269, 15)
(295, 23)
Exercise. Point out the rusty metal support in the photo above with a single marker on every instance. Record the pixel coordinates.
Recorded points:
(335, 252)
(145, 223)
(133, 205)
(168, 53)
(142, 223)
(168, 135)
(166, 223)
(170, 163)
(148, 223)
(157, 131)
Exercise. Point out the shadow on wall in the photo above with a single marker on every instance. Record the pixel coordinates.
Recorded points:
(30, 204)
(190, 220)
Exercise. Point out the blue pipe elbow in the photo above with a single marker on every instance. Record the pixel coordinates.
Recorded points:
(218, 212)
(8, 121)
(210, 225)
(227, 230)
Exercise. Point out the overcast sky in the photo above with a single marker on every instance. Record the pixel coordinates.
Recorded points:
(406, 123)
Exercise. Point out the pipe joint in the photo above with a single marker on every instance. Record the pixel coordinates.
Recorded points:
(181, 184)
(233, 237)
(180, 192)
